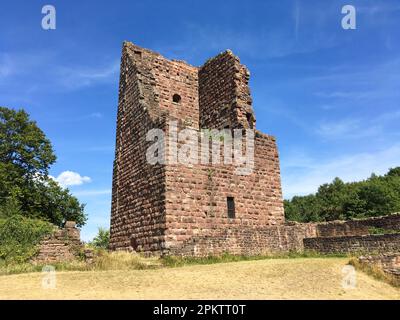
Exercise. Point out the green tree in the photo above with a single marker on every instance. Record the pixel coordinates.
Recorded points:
(23, 144)
(25, 158)
(48, 201)
(376, 196)
(303, 209)
(394, 172)
(380, 199)
(332, 197)
(102, 239)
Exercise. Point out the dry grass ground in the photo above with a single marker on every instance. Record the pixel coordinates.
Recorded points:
(301, 278)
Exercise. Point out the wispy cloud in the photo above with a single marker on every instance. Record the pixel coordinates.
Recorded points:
(6, 66)
(89, 193)
(343, 94)
(269, 42)
(356, 128)
(374, 8)
(296, 18)
(43, 72)
(347, 129)
(75, 77)
(96, 115)
(93, 115)
(104, 148)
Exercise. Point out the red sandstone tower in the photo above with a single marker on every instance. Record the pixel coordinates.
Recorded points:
(195, 209)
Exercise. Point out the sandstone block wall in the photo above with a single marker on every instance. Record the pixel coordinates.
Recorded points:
(354, 236)
(358, 227)
(373, 244)
(138, 199)
(388, 263)
(246, 240)
(163, 208)
(224, 93)
(62, 246)
(197, 200)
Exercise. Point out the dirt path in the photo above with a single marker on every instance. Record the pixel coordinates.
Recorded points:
(264, 279)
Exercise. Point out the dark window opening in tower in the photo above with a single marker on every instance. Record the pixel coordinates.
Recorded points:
(134, 243)
(231, 207)
(249, 118)
(176, 98)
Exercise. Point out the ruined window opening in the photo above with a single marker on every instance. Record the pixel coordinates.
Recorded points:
(134, 243)
(176, 98)
(138, 54)
(249, 118)
(231, 207)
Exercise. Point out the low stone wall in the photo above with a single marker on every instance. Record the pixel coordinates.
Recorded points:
(357, 227)
(245, 240)
(388, 263)
(373, 244)
(325, 237)
(64, 245)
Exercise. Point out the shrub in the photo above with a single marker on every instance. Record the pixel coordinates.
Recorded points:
(102, 239)
(19, 237)
(10, 208)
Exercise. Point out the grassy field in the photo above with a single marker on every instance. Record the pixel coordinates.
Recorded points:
(301, 278)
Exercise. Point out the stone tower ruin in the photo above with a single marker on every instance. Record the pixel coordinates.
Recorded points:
(195, 209)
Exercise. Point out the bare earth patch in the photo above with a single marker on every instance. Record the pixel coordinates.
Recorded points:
(308, 278)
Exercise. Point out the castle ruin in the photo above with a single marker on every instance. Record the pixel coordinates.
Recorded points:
(200, 209)
(167, 208)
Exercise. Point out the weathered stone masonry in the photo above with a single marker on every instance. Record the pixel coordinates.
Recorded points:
(389, 263)
(373, 244)
(61, 246)
(357, 227)
(182, 209)
(354, 236)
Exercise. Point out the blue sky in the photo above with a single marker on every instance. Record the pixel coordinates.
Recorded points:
(330, 96)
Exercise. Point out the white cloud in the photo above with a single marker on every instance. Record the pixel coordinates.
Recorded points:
(307, 174)
(92, 193)
(70, 178)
